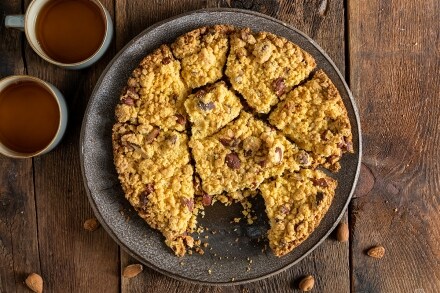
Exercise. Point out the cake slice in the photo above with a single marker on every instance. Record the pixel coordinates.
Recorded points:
(314, 117)
(242, 155)
(211, 108)
(155, 173)
(202, 53)
(295, 205)
(155, 93)
(263, 67)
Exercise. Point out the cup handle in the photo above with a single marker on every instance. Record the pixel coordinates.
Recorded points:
(15, 21)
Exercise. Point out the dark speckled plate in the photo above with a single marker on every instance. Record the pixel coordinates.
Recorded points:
(234, 243)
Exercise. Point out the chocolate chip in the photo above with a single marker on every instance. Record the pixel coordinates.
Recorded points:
(322, 182)
(206, 106)
(166, 60)
(128, 101)
(319, 198)
(233, 161)
(206, 200)
(279, 86)
(181, 119)
(152, 135)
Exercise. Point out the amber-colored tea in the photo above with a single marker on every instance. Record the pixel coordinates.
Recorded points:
(29, 117)
(70, 31)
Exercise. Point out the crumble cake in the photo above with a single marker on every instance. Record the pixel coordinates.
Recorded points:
(211, 108)
(170, 169)
(314, 117)
(154, 170)
(295, 204)
(242, 155)
(202, 53)
(263, 67)
(155, 93)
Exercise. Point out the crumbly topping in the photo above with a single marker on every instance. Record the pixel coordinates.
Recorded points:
(314, 117)
(295, 204)
(264, 67)
(211, 108)
(202, 53)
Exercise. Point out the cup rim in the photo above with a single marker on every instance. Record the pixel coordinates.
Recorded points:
(47, 86)
(50, 60)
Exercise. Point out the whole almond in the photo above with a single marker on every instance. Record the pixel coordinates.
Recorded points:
(307, 283)
(35, 282)
(376, 251)
(91, 224)
(342, 232)
(132, 271)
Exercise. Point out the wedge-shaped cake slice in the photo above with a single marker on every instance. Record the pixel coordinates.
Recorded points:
(211, 108)
(156, 176)
(202, 53)
(295, 204)
(242, 155)
(263, 67)
(314, 117)
(155, 93)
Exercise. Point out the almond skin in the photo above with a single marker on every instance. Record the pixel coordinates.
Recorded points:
(342, 232)
(91, 224)
(307, 283)
(376, 252)
(35, 283)
(132, 271)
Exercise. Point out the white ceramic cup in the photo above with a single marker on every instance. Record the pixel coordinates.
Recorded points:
(27, 23)
(62, 123)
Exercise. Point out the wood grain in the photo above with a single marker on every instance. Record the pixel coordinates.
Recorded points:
(72, 259)
(19, 254)
(330, 262)
(394, 65)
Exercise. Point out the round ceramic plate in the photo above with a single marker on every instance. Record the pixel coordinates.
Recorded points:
(232, 245)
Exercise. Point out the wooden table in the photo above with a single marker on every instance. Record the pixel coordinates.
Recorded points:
(389, 52)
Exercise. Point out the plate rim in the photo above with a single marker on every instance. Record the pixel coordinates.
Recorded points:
(115, 237)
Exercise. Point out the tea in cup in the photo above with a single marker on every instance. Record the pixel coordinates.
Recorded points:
(33, 116)
(72, 34)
